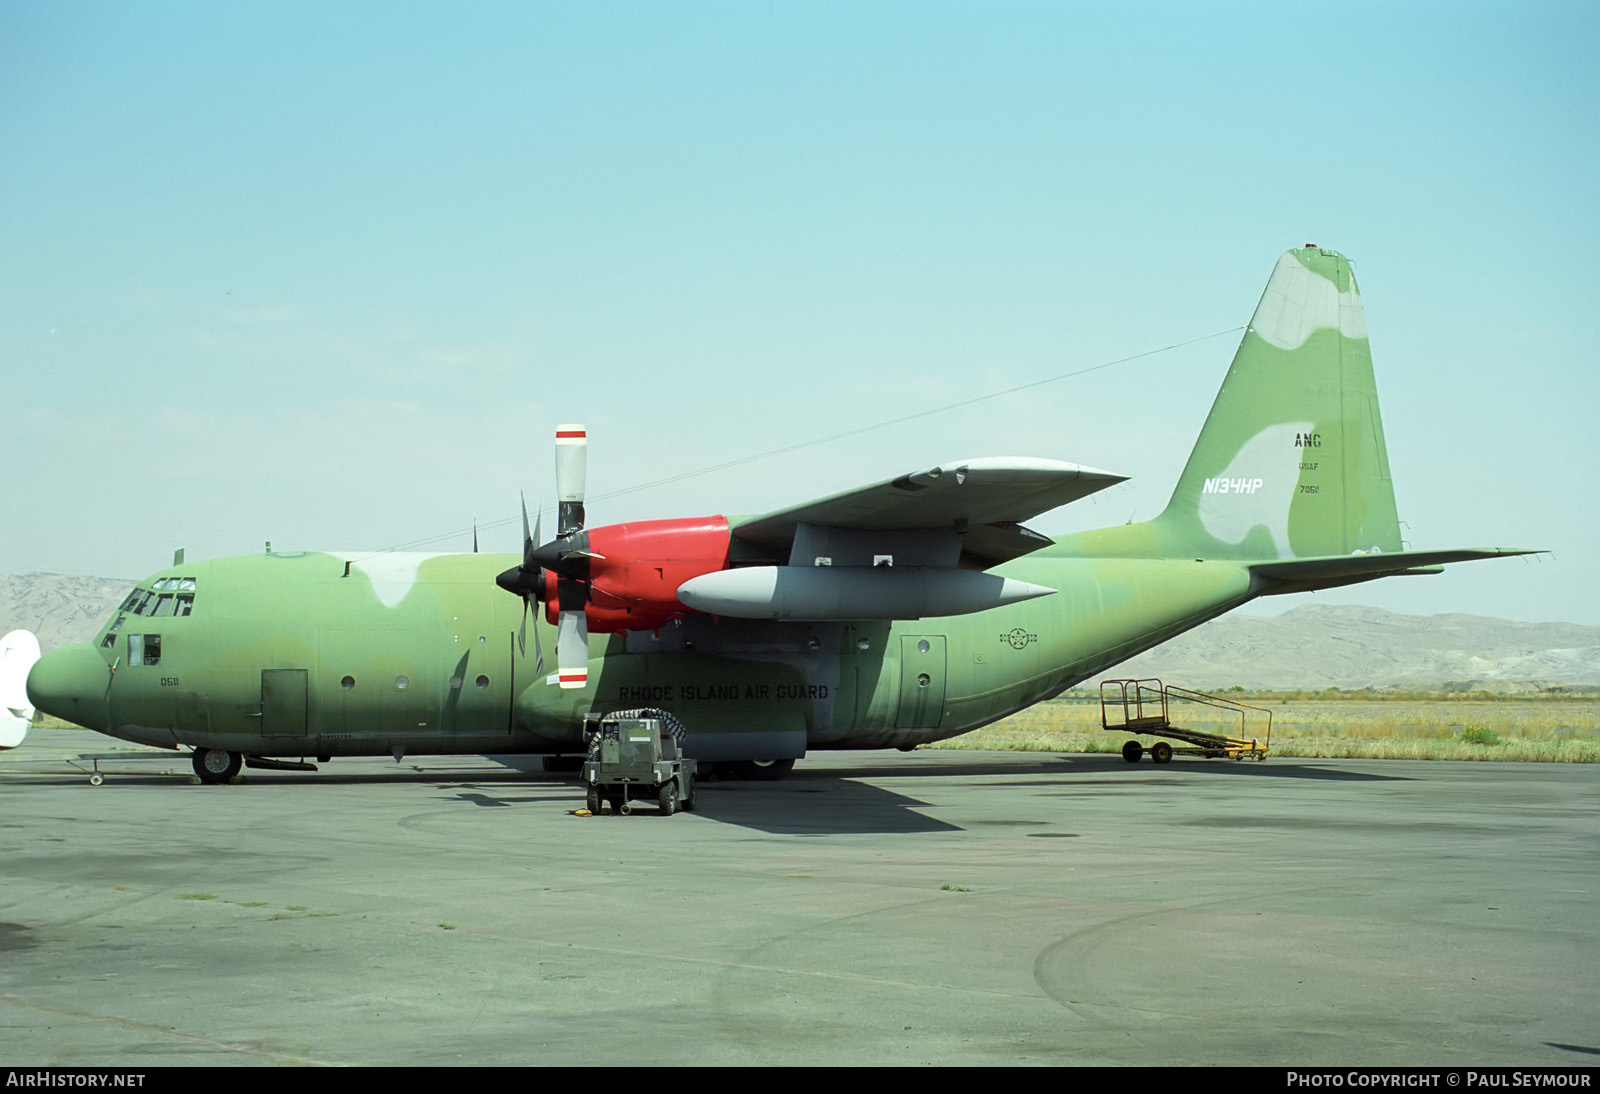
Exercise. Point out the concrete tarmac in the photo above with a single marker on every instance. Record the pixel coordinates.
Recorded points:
(874, 908)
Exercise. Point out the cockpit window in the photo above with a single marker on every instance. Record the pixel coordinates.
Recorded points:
(166, 596)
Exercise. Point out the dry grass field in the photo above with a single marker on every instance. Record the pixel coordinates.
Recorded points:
(1554, 728)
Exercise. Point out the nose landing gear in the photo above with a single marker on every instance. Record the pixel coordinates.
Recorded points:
(214, 766)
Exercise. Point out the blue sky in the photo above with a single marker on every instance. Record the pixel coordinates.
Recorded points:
(329, 275)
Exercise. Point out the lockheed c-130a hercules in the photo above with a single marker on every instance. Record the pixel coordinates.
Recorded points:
(901, 613)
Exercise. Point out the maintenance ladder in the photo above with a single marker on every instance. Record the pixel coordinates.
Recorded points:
(1144, 707)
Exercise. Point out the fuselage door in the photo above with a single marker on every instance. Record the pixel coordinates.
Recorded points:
(922, 660)
(283, 702)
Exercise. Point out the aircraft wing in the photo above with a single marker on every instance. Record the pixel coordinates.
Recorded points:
(971, 509)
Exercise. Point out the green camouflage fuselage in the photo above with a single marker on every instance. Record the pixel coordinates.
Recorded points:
(285, 655)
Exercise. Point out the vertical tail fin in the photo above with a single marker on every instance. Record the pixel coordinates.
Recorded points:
(1291, 462)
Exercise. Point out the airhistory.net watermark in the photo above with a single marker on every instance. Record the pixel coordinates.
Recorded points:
(51, 1078)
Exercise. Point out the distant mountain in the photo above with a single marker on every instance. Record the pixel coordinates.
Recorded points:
(61, 609)
(1318, 646)
(1314, 646)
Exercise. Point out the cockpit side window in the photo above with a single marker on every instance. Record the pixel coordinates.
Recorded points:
(144, 649)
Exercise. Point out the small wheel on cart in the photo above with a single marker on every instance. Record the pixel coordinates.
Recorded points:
(1132, 751)
(1161, 752)
(667, 797)
(96, 779)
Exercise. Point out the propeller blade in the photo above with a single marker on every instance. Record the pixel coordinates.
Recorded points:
(572, 468)
(538, 650)
(558, 570)
(572, 650)
(528, 542)
(527, 601)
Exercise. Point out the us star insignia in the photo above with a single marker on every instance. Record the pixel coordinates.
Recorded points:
(1017, 638)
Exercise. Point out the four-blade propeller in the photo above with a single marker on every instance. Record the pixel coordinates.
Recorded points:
(565, 558)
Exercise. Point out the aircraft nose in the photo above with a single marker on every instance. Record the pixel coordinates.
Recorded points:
(71, 684)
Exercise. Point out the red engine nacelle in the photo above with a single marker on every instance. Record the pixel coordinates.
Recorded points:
(634, 585)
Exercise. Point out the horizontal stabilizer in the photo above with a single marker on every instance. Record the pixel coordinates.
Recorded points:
(1301, 574)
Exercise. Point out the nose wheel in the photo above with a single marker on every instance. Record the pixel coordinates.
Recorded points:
(214, 766)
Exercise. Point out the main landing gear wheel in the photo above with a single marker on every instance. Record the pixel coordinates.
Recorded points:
(216, 765)
(1161, 752)
(1132, 751)
(762, 771)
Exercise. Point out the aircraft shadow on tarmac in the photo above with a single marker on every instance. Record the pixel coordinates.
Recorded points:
(819, 805)
(1108, 768)
(812, 801)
